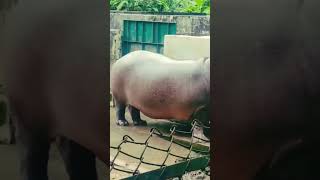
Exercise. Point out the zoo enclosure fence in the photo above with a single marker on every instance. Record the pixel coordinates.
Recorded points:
(186, 164)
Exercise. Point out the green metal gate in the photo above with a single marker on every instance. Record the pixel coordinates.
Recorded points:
(145, 35)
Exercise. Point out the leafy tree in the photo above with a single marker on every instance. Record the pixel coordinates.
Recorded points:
(190, 6)
(199, 6)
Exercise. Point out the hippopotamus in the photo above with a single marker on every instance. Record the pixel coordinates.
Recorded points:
(53, 58)
(266, 89)
(159, 87)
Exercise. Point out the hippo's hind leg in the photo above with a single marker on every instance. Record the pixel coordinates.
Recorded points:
(135, 115)
(34, 153)
(80, 163)
(120, 114)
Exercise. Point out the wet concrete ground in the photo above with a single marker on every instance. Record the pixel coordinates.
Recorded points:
(140, 134)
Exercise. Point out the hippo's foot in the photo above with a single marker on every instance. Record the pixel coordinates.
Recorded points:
(135, 114)
(121, 122)
(140, 123)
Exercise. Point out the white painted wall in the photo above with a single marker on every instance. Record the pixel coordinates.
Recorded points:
(181, 47)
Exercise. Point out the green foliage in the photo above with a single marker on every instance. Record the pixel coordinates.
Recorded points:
(188, 6)
(199, 6)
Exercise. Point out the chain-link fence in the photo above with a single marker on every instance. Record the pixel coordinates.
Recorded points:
(197, 156)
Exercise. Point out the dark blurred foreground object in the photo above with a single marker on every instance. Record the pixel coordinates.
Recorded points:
(6, 5)
(3, 107)
(266, 89)
(298, 162)
(5, 115)
(3, 112)
(52, 55)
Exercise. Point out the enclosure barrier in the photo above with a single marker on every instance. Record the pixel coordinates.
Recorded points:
(186, 163)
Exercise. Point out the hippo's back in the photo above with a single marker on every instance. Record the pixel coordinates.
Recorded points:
(158, 86)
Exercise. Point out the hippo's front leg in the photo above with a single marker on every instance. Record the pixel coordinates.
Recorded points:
(135, 115)
(120, 114)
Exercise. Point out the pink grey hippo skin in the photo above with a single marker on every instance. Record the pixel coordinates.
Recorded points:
(53, 58)
(159, 87)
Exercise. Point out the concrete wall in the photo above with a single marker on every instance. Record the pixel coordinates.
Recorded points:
(115, 45)
(181, 47)
(192, 25)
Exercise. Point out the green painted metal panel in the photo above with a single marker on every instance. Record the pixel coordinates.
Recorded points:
(148, 32)
(145, 35)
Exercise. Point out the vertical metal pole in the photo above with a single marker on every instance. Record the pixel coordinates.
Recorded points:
(142, 38)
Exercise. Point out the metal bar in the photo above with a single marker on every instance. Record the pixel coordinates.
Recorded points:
(152, 32)
(152, 164)
(132, 156)
(174, 170)
(143, 38)
(136, 30)
(122, 170)
(155, 148)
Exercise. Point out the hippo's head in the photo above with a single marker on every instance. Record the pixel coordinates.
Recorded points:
(203, 115)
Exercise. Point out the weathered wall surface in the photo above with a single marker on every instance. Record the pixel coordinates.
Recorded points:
(192, 25)
(183, 47)
(115, 45)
